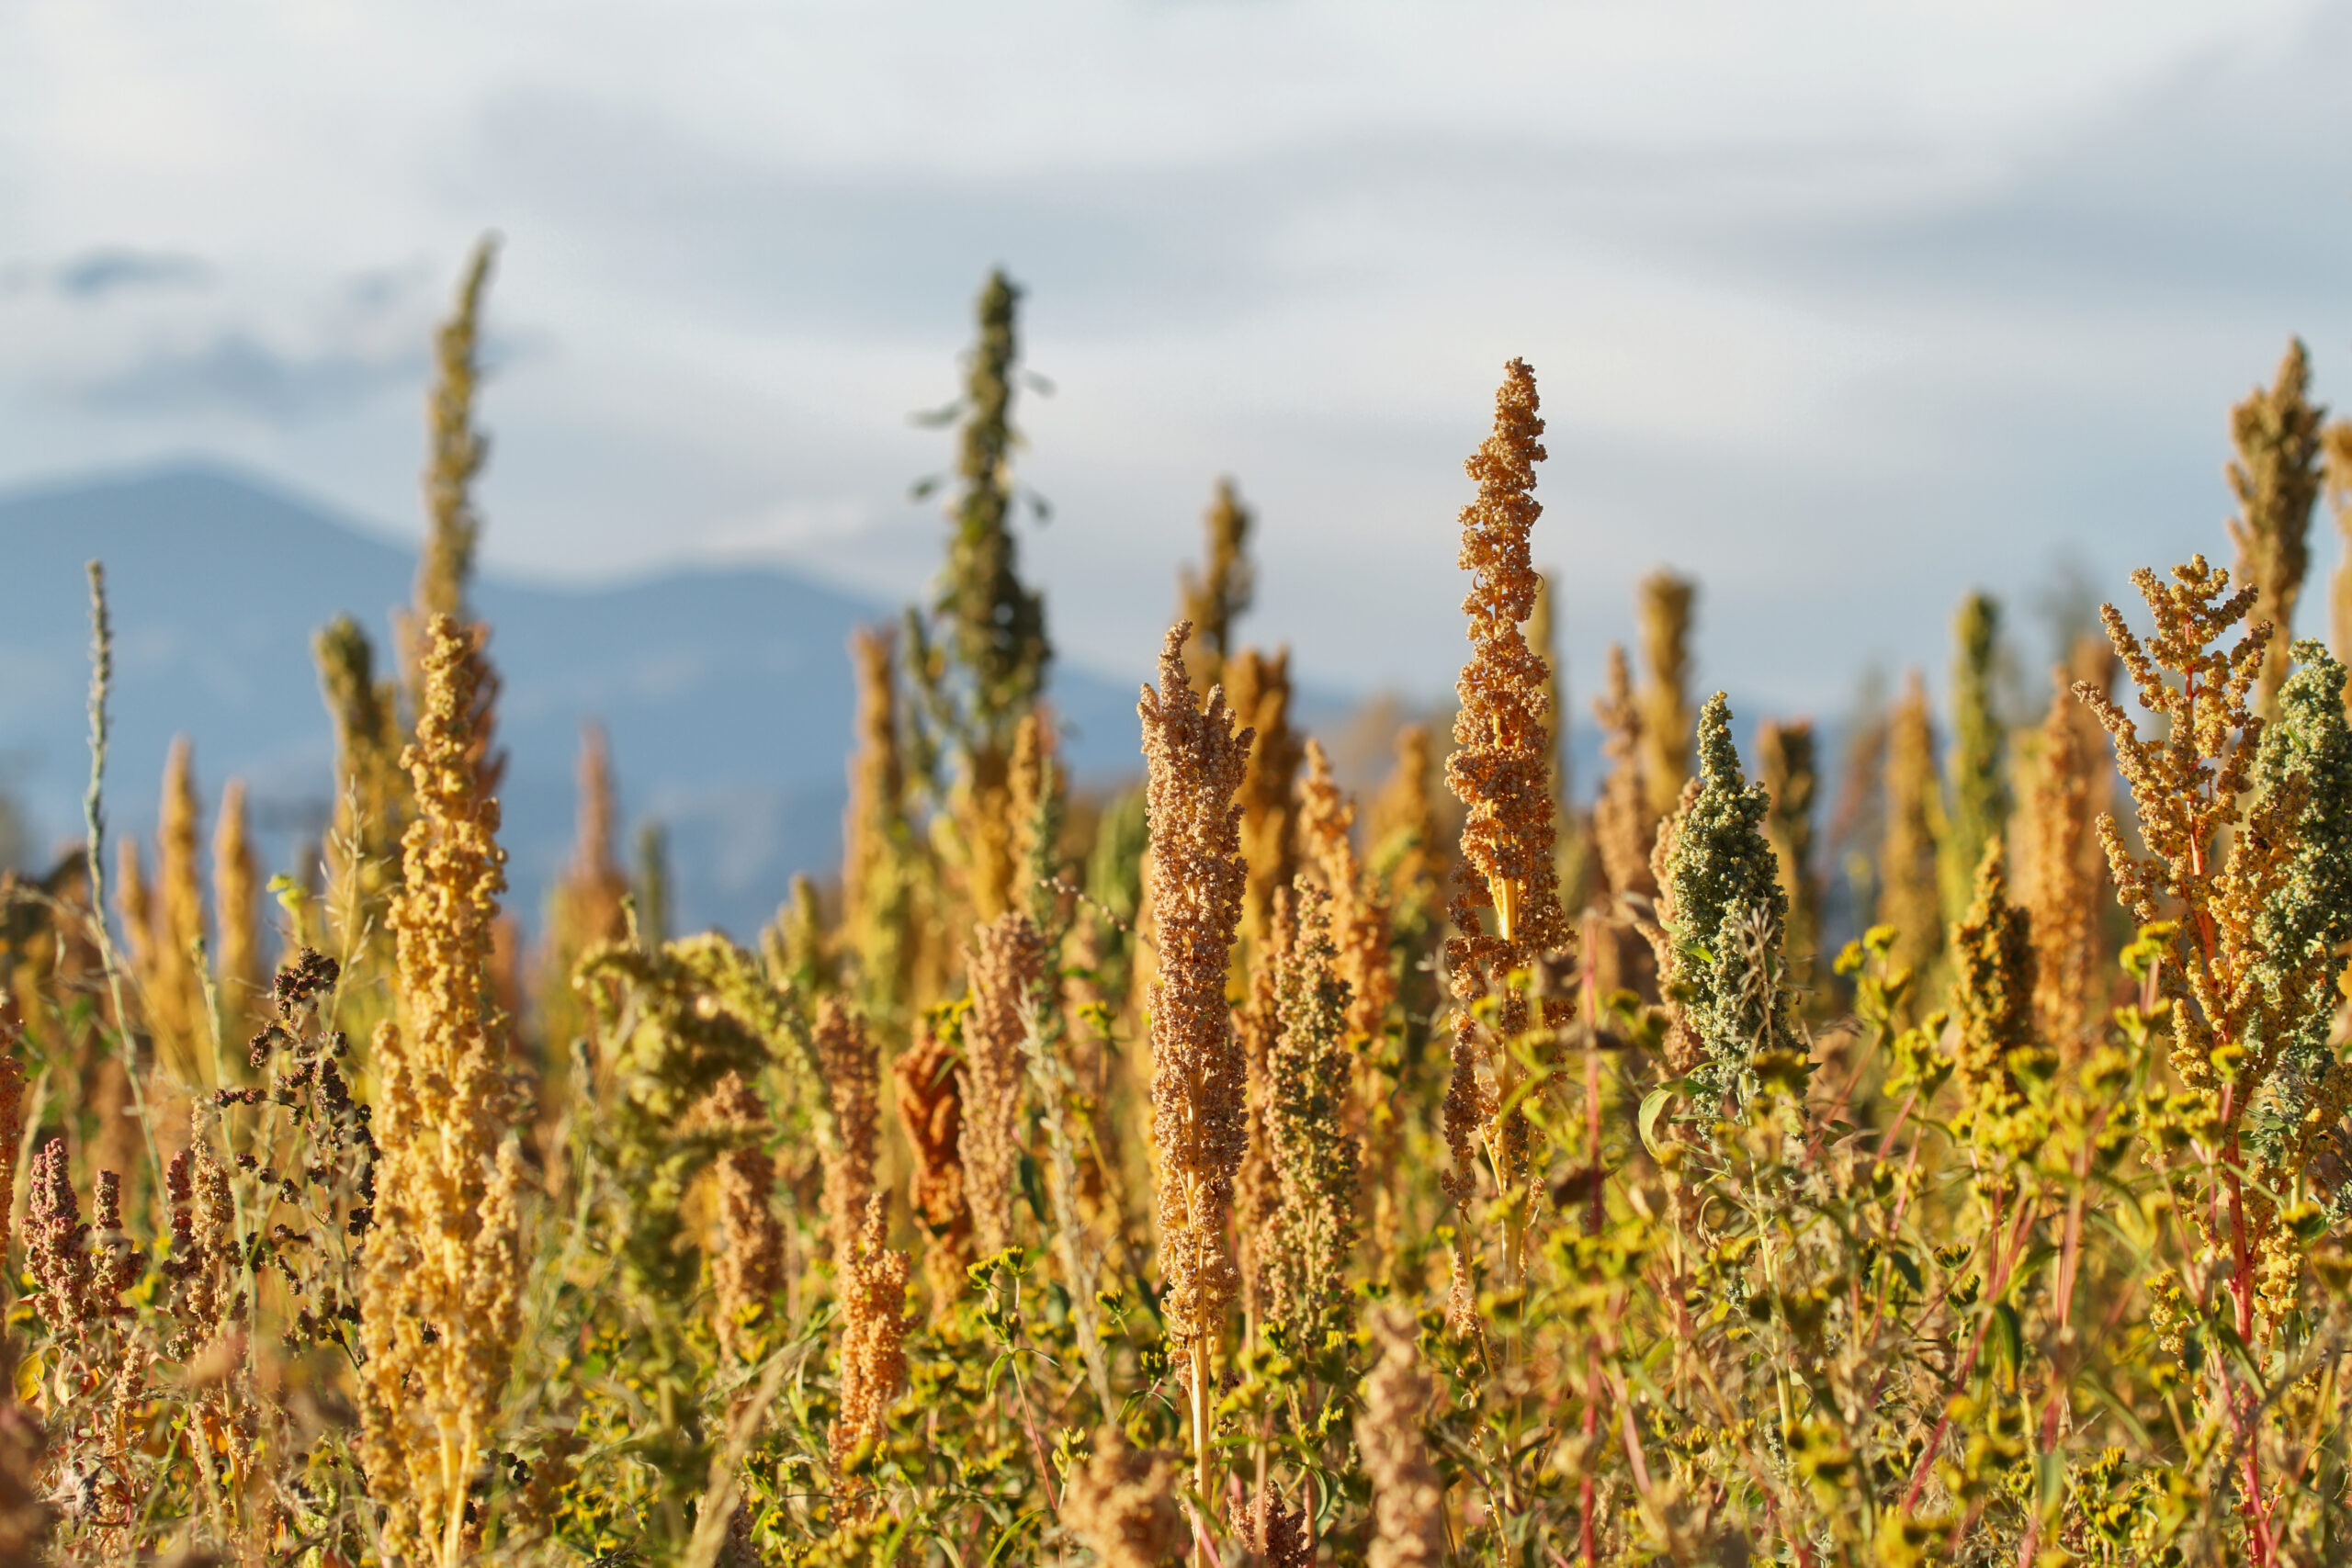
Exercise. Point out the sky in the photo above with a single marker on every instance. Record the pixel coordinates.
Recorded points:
(1842, 307)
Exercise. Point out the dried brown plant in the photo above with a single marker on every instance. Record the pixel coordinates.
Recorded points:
(984, 835)
(873, 1351)
(1404, 831)
(749, 1268)
(1273, 1534)
(1576, 848)
(1197, 759)
(852, 1072)
(2336, 460)
(1033, 799)
(1407, 1496)
(441, 1290)
(203, 1264)
(176, 1005)
(1359, 912)
(1256, 1195)
(585, 910)
(1122, 1505)
(1007, 959)
(1501, 771)
(1257, 686)
(57, 1249)
(1624, 823)
(136, 903)
(2276, 476)
(931, 1106)
(2061, 878)
(1625, 832)
(241, 984)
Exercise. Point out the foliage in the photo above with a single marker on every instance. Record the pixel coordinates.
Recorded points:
(1247, 1200)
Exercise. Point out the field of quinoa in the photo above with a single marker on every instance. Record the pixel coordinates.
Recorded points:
(1929, 1148)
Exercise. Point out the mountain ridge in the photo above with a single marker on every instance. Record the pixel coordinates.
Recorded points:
(726, 690)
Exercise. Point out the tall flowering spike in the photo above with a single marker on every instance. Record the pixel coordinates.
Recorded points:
(875, 893)
(2302, 780)
(873, 1351)
(235, 884)
(1314, 1154)
(440, 1289)
(1980, 794)
(2276, 476)
(1544, 638)
(459, 449)
(749, 1270)
(1006, 961)
(931, 1107)
(1359, 913)
(1624, 832)
(1258, 686)
(846, 1056)
(136, 903)
(1256, 1197)
(996, 624)
(1623, 824)
(1998, 1046)
(1215, 600)
(585, 909)
(2059, 876)
(2250, 966)
(1033, 802)
(2337, 463)
(370, 791)
(1908, 896)
(1501, 764)
(57, 1245)
(1195, 760)
(1727, 914)
(1501, 769)
(1404, 834)
(2186, 781)
(176, 1006)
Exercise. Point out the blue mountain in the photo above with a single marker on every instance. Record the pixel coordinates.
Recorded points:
(727, 694)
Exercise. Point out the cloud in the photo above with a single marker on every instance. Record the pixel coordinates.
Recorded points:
(97, 274)
(234, 372)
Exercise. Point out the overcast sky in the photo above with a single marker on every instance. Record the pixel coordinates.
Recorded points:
(1842, 307)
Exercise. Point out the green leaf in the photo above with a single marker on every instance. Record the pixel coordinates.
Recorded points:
(1652, 1107)
(1033, 1187)
(2010, 1334)
(1908, 1266)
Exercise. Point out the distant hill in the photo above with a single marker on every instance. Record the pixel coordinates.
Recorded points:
(726, 692)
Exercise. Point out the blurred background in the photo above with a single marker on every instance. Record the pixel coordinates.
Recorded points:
(1838, 308)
